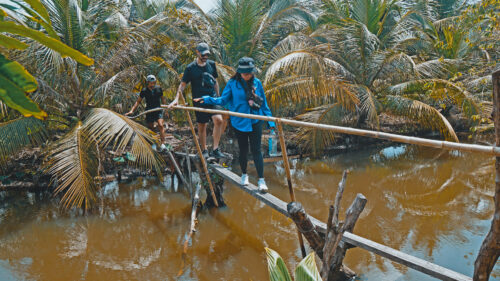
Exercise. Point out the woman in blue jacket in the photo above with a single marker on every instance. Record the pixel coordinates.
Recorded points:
(244, 93)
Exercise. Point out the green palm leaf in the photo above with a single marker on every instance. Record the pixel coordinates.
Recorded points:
(424, 114)
(108, 127)
(74, 164)
(439, 90)
(276, 266)
(12, 43)
(50, 42)
(19, 133)
(15, 82)
(306, 270)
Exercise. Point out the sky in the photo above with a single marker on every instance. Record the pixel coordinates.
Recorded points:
(205, 5)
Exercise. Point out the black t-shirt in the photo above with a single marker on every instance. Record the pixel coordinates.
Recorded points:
(153, 97)
(193, 74)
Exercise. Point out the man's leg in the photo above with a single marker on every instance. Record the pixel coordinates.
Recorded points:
(202, 134)
(217, 133)
(161, 127)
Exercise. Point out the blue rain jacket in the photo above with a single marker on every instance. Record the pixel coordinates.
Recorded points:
(234, 96)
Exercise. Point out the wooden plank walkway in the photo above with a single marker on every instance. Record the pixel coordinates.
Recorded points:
(277, 204)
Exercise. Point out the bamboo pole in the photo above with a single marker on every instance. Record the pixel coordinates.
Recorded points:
(491, 150)
(289, 178)
(200, 154)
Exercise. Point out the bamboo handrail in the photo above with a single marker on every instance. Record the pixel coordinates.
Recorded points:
(491, 150)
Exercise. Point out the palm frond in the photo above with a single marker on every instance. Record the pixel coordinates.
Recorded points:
(108, 127)
(427, 116)
(19, 133)
(303, 90)
(318, 140)
(439, 90)
(74, 164)
(368, 106)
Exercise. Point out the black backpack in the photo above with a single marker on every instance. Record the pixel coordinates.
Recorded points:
(207, 79)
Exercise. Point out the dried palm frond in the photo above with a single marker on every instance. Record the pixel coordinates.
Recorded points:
(108, 127)
(318, 140)
(74, 164)
(19, 133)
(427, 116)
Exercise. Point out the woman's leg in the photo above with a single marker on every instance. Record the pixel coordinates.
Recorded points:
(243, 145)
(255, 145)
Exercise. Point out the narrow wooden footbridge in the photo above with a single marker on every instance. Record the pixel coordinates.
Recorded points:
(319, 234)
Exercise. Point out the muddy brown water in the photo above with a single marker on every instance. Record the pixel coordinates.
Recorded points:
(436, 206)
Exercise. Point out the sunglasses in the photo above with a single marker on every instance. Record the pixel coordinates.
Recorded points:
(205, 55)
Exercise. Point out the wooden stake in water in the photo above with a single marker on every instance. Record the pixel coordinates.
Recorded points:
(490, 249)
(200, 154)
(286, 164)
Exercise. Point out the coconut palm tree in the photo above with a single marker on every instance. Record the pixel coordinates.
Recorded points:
(78, 96)
(365, 44)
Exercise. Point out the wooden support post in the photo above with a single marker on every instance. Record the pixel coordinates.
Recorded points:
(306, 227)
(334, 235)
(200, 154)
(177, 169)
(336, 267)
(286, 164)
(190, 177)
(490, 249)
(194, 212)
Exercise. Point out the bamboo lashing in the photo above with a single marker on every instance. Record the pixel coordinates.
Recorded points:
(286, 164)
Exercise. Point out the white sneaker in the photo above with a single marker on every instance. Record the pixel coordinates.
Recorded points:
(163, 147)
(262, 185)
(153, 147)
(244, 179)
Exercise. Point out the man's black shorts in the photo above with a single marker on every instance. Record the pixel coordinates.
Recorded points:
(203, 117)
(154, 116)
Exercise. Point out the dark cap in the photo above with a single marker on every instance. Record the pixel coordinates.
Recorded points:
(246, 65)
(203, 48)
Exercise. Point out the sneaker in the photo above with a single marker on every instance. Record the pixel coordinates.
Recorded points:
(262, 185)
(205, 154)
(217, 154)
(163, 147)
(244, 179)
(153, 147)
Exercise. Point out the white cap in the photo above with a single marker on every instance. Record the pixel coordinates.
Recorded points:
(151, 78)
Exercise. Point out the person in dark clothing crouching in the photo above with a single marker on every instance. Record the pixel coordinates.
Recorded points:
(244, 93)
(154, 98)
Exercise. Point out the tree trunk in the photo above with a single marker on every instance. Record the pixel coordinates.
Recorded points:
(490, 249)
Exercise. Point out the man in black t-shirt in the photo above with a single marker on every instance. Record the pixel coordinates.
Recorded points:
(202, 74)
(154, 98)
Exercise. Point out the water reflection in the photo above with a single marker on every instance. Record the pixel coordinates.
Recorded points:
(434, 205)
